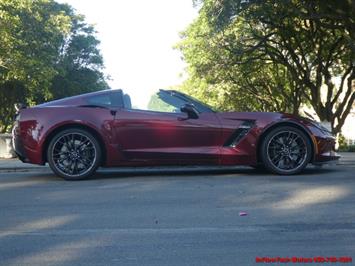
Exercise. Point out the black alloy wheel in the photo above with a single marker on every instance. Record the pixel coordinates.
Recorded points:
(286, 150)
(74, 154)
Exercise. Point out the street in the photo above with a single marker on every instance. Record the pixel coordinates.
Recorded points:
(161, 217)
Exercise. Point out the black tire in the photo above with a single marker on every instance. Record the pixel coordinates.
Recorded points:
(74, 154)
(286, 150)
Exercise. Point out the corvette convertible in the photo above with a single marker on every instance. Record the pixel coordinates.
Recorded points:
(78, 134)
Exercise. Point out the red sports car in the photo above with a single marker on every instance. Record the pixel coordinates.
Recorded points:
(78, 134)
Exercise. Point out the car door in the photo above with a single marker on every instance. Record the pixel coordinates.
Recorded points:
(167, 136)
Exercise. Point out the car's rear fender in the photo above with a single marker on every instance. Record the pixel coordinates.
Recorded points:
(45, 122)
(67, 125)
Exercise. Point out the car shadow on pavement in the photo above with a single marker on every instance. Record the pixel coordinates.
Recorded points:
(110, 173)
(153, 172)
(172, 172)
(310, 170)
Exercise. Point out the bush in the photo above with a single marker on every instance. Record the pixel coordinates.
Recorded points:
(351, 148)
(343, 145)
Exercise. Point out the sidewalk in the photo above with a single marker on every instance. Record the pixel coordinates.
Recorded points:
(14, 165)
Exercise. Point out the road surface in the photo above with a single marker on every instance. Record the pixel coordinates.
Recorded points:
(177, 217)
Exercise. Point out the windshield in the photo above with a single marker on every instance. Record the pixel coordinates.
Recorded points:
(200, 106)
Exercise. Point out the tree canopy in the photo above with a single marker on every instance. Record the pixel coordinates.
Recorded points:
(273, 56)
(47, 51)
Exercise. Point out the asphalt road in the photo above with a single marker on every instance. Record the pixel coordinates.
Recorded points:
(176, 218)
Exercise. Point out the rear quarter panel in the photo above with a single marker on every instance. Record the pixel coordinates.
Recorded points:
(40, 123)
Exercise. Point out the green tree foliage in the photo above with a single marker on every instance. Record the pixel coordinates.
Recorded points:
(274, 55)
(218, 76)
(10, 92)
(46, 51)
(30, 37)
(80, 63)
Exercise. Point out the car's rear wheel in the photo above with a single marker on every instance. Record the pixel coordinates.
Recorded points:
(74, 154)
(286, 150)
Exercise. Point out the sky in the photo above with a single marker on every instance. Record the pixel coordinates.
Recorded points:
(137, 39)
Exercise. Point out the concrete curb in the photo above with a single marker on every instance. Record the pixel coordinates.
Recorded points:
(23, 170)
(6, 150)
(15, 165)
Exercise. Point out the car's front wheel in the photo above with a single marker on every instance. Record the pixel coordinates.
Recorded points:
(286, 150)
(74, 154)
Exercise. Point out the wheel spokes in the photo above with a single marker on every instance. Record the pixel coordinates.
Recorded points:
(287, 150)
(74, 154)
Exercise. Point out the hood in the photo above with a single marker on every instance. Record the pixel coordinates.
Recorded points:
(262, 118)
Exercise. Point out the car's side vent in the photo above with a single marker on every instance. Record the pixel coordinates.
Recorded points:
(239, 133)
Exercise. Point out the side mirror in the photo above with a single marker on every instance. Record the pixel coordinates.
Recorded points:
(190, 110)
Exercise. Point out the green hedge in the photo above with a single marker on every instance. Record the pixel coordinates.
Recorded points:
(347, 148)
(343, 145)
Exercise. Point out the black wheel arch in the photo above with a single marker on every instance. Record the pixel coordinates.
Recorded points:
(284, 123)
(89, 129)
